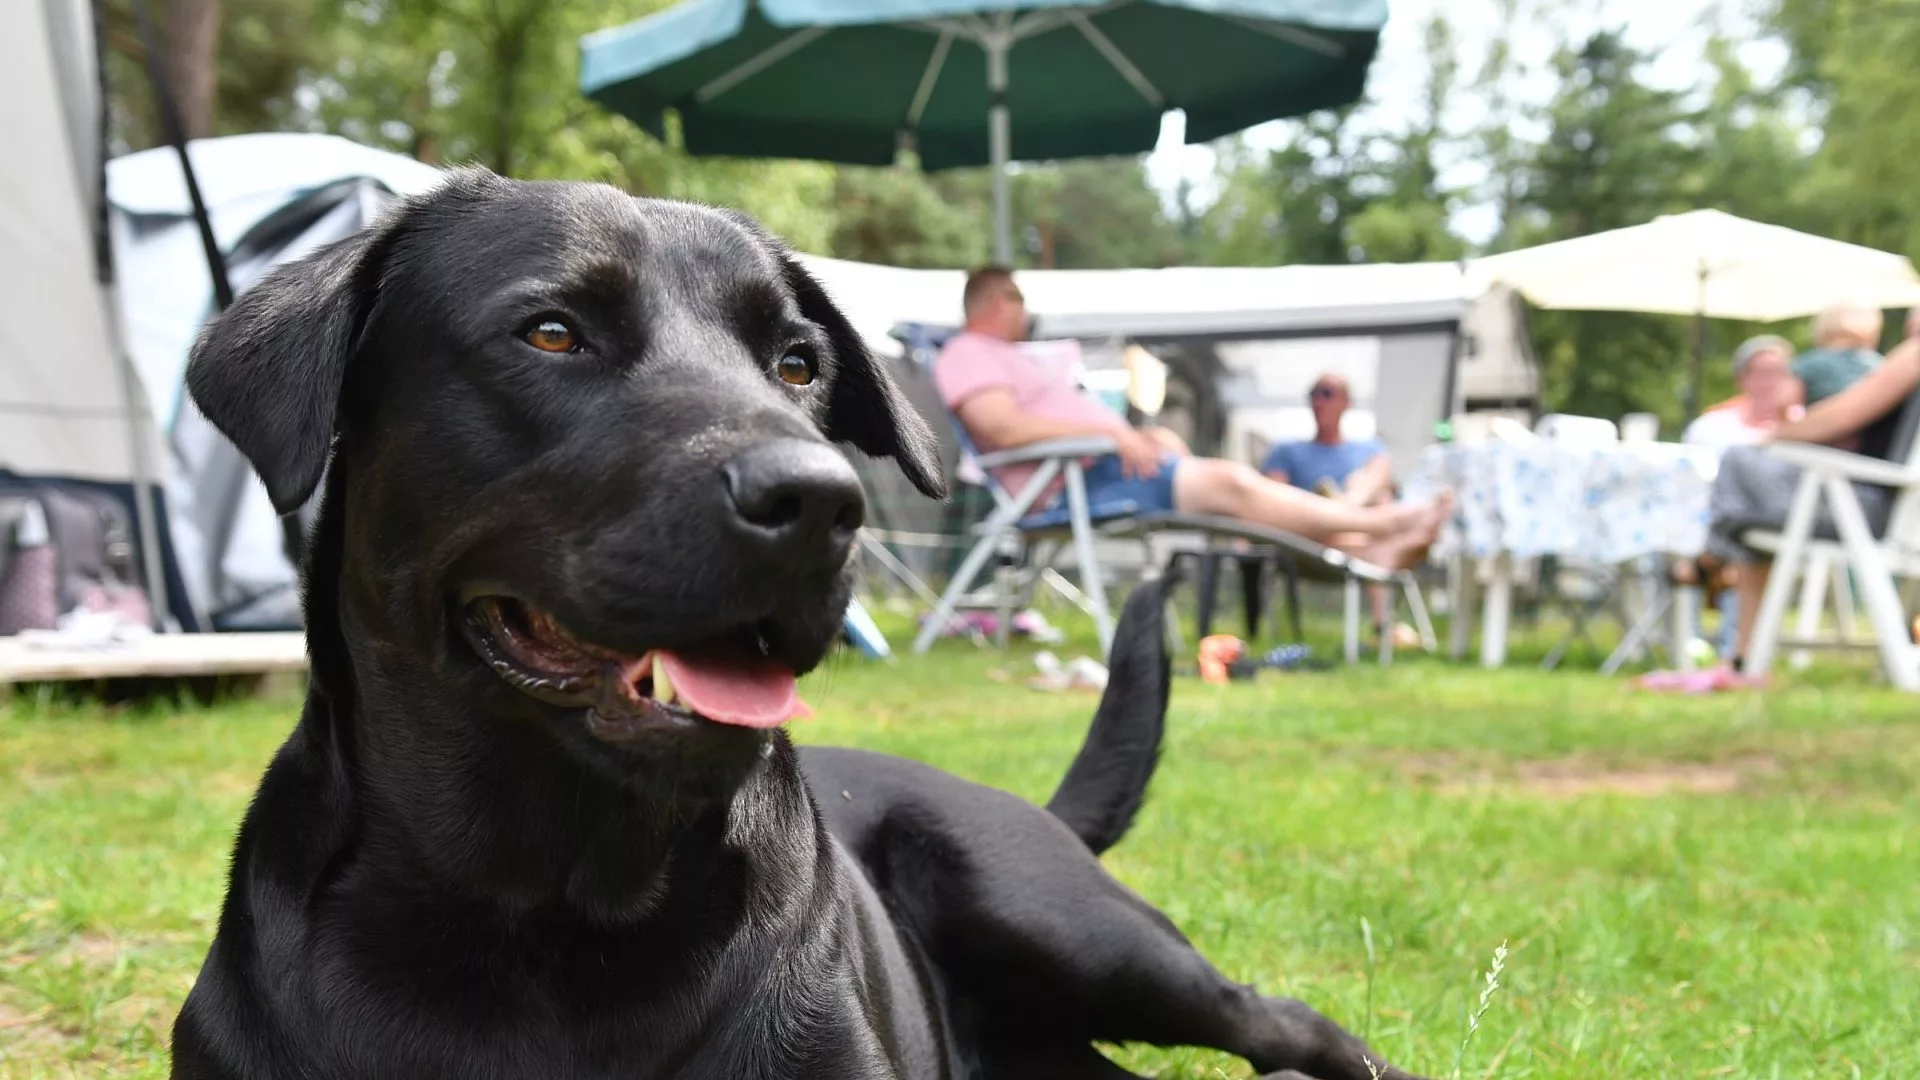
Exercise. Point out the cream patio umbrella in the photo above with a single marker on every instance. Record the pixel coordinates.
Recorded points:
(1707, 264)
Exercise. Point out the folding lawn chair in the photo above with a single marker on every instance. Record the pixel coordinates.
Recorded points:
(1030, 527)
(1877, 562)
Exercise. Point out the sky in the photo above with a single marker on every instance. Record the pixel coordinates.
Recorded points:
(1675, 31)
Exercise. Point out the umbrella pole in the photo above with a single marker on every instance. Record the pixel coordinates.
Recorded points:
(1000, 146)
(1695, 377)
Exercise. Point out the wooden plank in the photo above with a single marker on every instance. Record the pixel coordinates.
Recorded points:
(160, 656)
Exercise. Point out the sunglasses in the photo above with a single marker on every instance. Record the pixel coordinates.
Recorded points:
(1323, 393)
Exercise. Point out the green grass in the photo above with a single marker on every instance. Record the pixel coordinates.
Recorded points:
(1724, 887)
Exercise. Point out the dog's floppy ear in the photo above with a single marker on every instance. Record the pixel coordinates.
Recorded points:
(269, 371)
(866, 409)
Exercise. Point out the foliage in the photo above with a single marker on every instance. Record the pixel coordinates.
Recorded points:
(1829, 147)
(1857, 57)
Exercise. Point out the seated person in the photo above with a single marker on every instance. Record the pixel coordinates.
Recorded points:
(1768, 396)
(1005, 399)
(1754, 489)
(1846, 340)
(1357, 470)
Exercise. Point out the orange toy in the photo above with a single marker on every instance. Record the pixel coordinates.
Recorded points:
(1216, 652)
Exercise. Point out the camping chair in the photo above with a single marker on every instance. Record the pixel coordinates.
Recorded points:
(1026, 528)
(1875, 562)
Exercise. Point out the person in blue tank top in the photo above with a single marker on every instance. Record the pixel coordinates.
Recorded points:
(1356, 470)
(1353, 470)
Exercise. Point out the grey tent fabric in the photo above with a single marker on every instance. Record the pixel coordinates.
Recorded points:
(66, 409)
(232, 545)
(271, 198)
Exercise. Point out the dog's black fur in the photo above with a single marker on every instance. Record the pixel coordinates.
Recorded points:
(450, 874)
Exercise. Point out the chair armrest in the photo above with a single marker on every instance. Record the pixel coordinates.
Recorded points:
(1076, 446)
(1833, 462)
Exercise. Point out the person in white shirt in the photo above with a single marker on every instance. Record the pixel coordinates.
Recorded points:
(1768, 396)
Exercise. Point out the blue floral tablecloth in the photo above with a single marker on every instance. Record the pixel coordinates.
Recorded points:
(1608, 504)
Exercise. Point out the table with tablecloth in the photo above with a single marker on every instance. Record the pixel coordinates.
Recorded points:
(1605, 504)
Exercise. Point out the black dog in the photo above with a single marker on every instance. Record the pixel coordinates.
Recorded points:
(582, 524)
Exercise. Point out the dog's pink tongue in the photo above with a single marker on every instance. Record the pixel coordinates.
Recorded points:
(754, 693)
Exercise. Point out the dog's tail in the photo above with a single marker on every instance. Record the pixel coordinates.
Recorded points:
(1107, 782)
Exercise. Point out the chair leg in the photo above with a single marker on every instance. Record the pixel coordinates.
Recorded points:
(1010, 582)
(1422, 618)
(1813, 604)
(1293, 603)
(1788, 561)
(1843, 601)
(1353, 591)
(1386, 628)
(1898, 654)
(1638, 634)
(963, 578)
(997, 526)
(1083, 539)
(1252, 590)
(872, 546)
(1205, 592)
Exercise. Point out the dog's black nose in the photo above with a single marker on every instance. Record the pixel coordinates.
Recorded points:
(795, 502)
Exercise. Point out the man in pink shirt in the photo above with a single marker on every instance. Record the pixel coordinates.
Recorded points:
(1005, 399)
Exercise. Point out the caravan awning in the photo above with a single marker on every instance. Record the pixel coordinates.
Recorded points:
(1175, 304)
(1225, 303)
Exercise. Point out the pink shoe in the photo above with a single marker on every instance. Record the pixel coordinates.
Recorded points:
(1707, 681)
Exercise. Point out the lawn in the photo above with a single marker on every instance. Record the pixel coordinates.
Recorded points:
(1725, 887)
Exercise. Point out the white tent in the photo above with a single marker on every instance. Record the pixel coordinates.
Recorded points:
(70, 409)
(269, 198)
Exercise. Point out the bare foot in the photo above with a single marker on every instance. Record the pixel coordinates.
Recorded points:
(1407, 548)
(1397, 518)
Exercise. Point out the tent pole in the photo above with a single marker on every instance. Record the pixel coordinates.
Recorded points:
(1000, 143)
(170, 123)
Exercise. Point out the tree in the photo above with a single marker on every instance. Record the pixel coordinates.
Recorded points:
(1857, 58)
(1409, 220)
(1618, 152)
(1103, 213)
(1292, 204)
(898, 217)
(189, 31)
(242, 80)
(1340, 190)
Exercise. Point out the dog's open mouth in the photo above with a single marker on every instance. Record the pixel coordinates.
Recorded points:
(726, 682)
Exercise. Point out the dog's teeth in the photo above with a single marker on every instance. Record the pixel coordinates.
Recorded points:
(662, 686)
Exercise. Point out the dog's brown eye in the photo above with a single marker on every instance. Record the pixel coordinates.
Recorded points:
(795, 369)
(552, 335)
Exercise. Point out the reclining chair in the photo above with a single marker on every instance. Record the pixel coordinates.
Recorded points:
(1031, 526)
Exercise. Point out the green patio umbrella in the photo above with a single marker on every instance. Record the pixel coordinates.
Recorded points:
(975, 82)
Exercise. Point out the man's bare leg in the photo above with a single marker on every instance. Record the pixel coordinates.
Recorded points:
(1390, 535)
(1372, 485)
(1750, 585)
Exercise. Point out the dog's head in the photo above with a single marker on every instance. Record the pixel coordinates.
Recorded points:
(581, 463)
